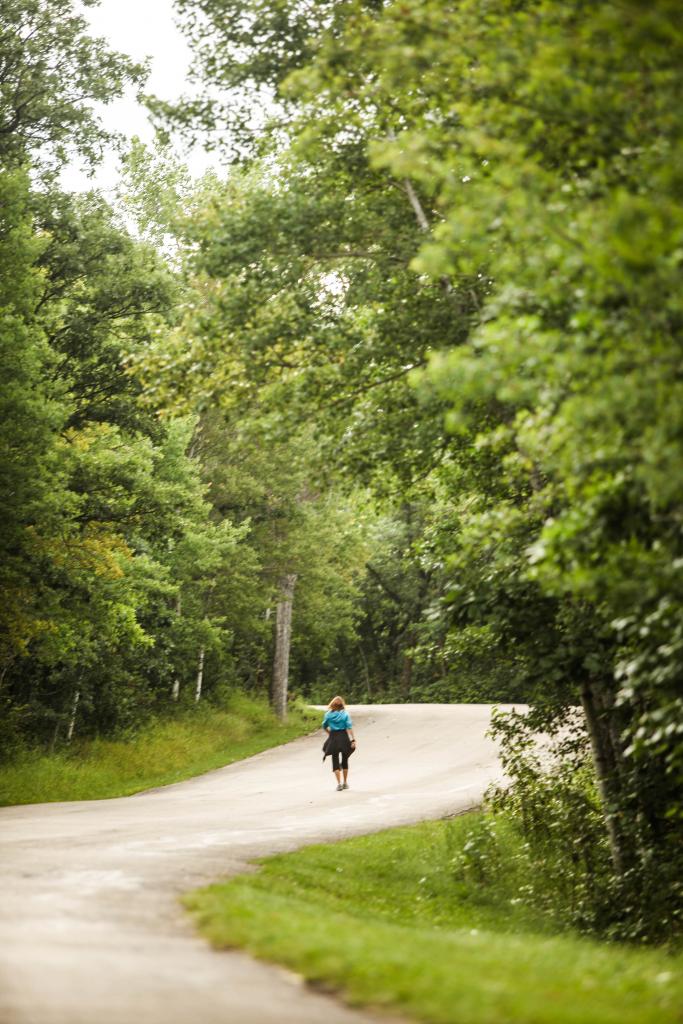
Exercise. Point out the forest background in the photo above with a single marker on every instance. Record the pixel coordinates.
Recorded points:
(412, 365)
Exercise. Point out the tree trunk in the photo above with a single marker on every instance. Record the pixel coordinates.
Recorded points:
(406, 675)
(366, 672)
(55, 736)
(283, 637)
(606, 763)
(72, 716)
(200, 674)
(420, 215)
(175, 688)
(5, 669)
(418, 209)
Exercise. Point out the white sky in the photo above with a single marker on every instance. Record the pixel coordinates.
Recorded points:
(140, 28)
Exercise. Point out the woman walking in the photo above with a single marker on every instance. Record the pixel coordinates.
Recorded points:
(340, 742)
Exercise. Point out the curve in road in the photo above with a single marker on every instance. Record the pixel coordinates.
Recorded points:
(90, 924)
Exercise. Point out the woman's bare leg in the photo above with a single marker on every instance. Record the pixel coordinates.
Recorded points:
(337, 772)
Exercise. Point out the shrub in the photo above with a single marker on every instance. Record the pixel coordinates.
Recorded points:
(543, 840)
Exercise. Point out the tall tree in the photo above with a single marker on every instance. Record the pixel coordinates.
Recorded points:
(34, 411)
(52, 74)
(557, 177)
(535, 146)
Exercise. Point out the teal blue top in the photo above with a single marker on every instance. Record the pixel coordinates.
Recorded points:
(336, 721)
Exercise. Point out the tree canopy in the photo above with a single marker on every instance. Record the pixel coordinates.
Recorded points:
(417, 355)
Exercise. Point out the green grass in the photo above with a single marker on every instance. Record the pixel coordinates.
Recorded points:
(382, 920)
(165, 751)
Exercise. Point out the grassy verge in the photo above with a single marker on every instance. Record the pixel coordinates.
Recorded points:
(382, 919)
(163, 752)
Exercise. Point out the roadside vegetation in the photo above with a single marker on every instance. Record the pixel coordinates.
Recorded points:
(403, 919)
(400, 391)
(162, 752)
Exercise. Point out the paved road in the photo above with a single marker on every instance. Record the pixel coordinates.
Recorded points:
(91, 931)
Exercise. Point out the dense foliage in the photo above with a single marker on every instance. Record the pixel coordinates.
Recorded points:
(418, 356)
(140, 556)
(474, 210)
